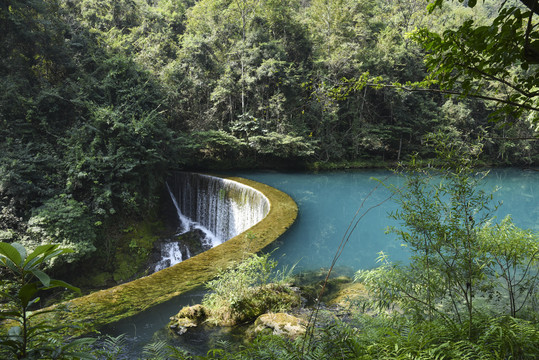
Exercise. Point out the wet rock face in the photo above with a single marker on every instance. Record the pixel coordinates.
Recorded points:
(191, 243)
(180, 326)
(188, 245)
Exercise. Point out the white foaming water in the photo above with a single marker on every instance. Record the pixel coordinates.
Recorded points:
(170, 252)
(219, 208)
(171, 255)
(225, 207)
(187, 224)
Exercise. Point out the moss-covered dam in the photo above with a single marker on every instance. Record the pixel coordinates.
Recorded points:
(107, 306)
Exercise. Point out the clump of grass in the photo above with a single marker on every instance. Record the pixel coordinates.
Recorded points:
(249, 289)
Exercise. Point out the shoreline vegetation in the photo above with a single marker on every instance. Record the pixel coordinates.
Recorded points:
(335, 320)
(358, 164)
(124, 300)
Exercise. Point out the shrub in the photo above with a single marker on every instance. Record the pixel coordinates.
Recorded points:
(244, 291)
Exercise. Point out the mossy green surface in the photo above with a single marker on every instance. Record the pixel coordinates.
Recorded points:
(257, 301)
(134, 242)
(132, 256)
(110, 305)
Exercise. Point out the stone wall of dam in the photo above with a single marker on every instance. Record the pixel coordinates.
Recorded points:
(256, 214)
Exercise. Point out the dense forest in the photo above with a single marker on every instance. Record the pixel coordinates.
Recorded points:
(101, 99)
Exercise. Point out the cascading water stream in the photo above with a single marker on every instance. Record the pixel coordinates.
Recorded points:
(170, 251)
(217, 209)
(185, 223)
(171, 255)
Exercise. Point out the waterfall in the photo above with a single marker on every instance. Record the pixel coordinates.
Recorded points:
(187, 224)
(217, 208)
(225, 207)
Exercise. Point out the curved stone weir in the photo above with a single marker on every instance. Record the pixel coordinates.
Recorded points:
(217, 208)
(110, 305)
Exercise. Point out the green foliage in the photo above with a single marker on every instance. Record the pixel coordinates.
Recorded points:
(66, 222)
(100, 97)
(371, 338)
(160, 350)
(283, 146)
(245, 291)
(467, 277)
(21, 186)
(29, 336)
(404, 339)
(465, 59)
(442, 221)
(513, 257)
(445, 303)
(132, 250)
(219, 144)
(111, 347)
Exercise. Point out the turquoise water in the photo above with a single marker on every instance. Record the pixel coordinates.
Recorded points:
(328, 201)
(327, 204)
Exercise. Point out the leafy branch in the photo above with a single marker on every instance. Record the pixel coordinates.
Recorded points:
(348, 86)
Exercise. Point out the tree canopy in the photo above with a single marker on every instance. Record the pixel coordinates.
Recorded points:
(493, 58)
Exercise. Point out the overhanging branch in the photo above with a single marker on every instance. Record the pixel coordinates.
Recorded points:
(456, 93)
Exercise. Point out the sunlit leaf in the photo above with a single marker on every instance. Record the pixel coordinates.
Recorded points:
(12, 252)
(44, 278)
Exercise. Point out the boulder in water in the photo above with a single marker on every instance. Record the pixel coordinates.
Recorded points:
(188, 317)
(281, 324)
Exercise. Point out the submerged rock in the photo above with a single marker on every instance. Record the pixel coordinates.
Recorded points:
(348, 294)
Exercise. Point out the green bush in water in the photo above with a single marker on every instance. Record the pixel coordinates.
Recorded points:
(247, 290)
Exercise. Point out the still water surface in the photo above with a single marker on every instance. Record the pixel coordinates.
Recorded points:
(327, 203)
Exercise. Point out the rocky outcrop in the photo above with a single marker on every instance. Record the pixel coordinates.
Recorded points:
(281, 324)
(188, 317)
(246, 309)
